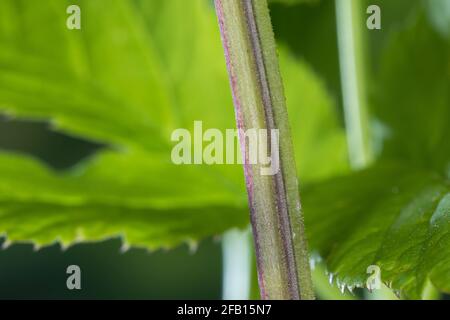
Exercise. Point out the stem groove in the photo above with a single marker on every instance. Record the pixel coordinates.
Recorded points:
(258, 94)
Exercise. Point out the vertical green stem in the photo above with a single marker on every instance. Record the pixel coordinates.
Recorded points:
(237, 265)
(351, 58)
(276, 216)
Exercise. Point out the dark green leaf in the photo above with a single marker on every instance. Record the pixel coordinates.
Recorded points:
(391, 216)
(292, 2)
(412, 98)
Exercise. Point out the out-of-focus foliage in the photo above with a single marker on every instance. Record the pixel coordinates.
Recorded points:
(309, 31)
(134, 73)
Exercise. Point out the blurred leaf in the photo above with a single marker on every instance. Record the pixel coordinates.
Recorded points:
(392, 216)
(133, 74)
(412, 99)
(310, 32)
(439, 13)
(147, 204)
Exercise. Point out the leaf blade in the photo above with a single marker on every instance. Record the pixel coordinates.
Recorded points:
(385, 222)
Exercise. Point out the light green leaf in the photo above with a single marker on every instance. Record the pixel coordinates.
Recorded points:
(146, 200)
(115, 81)
(136, 71)
(412, 97)
(391, 216)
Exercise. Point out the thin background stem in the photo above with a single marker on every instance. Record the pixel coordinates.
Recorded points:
(351, 58)
(237, 264)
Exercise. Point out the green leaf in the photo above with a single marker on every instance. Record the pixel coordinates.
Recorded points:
(412, 97)
(151, 203)
(105, 81)
(392, 216)
(136, 71)
(396, 214)
(315, 25)
(321, 149)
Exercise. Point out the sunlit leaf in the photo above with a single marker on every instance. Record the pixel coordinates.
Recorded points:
(390, 216)
(128, 78)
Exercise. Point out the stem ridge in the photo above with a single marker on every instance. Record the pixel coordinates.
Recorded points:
(280, 191)
(258, 95)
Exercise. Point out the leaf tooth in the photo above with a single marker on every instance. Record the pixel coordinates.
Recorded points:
(6, 244)
(36, 246)
(149, 250)
(64, 245)
(125, 247)
(389, 284)
(330, 277)
(9, 114)
(314, 259)
(165, 248)
(53, 124)
(80, 236)
(339, 284)
(193, 246)
(351, 288)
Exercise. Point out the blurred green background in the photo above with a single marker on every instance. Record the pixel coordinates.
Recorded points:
(107, 273)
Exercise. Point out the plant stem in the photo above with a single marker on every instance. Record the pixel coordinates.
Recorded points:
(351, 58)
(277, 221)
(237, 265)
(384, 293)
